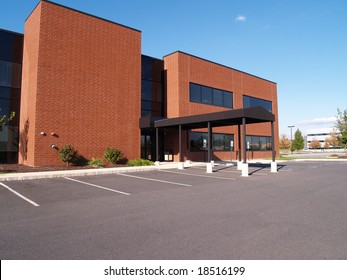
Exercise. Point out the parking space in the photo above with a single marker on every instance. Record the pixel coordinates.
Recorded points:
(134, 215)
(46, 191)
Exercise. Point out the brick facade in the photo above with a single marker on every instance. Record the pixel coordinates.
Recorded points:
(81, 82)
(182, 69)
(81, 85)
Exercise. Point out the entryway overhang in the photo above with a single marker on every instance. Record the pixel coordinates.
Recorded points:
(239, 117)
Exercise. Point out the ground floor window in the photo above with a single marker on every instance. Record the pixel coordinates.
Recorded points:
(259, 143)
(220, 142)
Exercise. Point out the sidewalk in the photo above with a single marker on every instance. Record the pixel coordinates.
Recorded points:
(83, 172)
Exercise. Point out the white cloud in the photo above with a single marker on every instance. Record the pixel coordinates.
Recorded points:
(240, 18)
(319, 121)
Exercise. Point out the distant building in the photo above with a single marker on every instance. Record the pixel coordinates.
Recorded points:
(319, 134)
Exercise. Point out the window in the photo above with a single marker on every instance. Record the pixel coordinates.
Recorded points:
(195, 93)
(218, 98)
(152, 93)
(220, 142)
(249, 101)
(210, 96)
(10, 74)
(259, 143)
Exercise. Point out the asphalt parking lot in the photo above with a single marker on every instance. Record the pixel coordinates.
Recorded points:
(297, 213)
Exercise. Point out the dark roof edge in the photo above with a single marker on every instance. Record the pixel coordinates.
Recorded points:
(87, 14)
(219, 65)
(12, 32)
(151, 57)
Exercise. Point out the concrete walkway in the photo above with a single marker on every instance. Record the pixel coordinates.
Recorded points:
(83, 172)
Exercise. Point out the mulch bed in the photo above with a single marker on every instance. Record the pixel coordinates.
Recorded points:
(19, 168)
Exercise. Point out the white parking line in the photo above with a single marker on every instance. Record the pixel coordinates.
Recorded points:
(156, 180)
(191, 174)
(96, 186)
(20, 195)
(251, 172)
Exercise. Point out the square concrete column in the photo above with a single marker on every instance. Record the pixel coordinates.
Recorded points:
(274, 167)
(245, 170)
(209, 167)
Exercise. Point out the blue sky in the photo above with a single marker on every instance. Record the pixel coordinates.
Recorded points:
(300, 45)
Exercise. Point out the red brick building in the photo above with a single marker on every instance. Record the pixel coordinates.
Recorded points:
(85, 83)
(81, 82)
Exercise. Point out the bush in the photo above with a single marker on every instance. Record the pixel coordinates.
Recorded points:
(140, 162)
(96, 162)
(68, 154)
(113, 155)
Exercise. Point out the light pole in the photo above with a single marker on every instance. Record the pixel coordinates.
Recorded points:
(291, 135)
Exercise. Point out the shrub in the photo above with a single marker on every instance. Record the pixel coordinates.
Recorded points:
(113, 155)
(140, 162)
(96, 162)
(68, 154)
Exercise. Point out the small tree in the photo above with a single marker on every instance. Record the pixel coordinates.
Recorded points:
(285, 143)
(341, 125)
(298, 142)
(332, 140)
(4, 119)
(315, 144)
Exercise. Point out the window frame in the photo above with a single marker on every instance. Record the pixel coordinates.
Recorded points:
(206, 95)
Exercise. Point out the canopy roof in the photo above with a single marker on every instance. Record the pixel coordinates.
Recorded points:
(224, 118)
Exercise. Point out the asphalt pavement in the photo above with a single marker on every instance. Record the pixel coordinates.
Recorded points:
(297, 213)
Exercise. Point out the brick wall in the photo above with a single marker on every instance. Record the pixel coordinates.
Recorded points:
(181, 69)
(81, 81)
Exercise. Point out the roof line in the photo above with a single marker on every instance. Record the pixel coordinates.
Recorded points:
(84, 13)
(12, 32)
(216, 63)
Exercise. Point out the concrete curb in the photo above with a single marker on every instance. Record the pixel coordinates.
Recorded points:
(82, 172)
(321, 159)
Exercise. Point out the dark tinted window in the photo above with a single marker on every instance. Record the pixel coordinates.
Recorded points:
(195, 93)
(220, 142)
(259, 143)
(210, 96)
(228, 99)
(10, 74)
(249, 101)
(11, 47)
(152, 93)
(218, 97)
(206, 95)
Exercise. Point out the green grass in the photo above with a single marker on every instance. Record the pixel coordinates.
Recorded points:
(140, 162)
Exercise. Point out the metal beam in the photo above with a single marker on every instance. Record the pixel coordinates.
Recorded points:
(157, 144)
(239, 140)
(180, 143)
(273, 141)
(244, 140)
(209, 142)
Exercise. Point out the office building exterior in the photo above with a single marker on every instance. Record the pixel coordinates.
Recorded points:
(85, 82)
(11, 52)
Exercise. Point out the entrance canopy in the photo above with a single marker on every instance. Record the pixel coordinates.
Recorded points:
(237, 117)
(224, 118)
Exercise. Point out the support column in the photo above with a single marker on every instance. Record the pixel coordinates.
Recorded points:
(180, 163)
(157, 146)
(188, 148)
(239, 161)
(244, 164)
(273, 163)
(209, 164)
